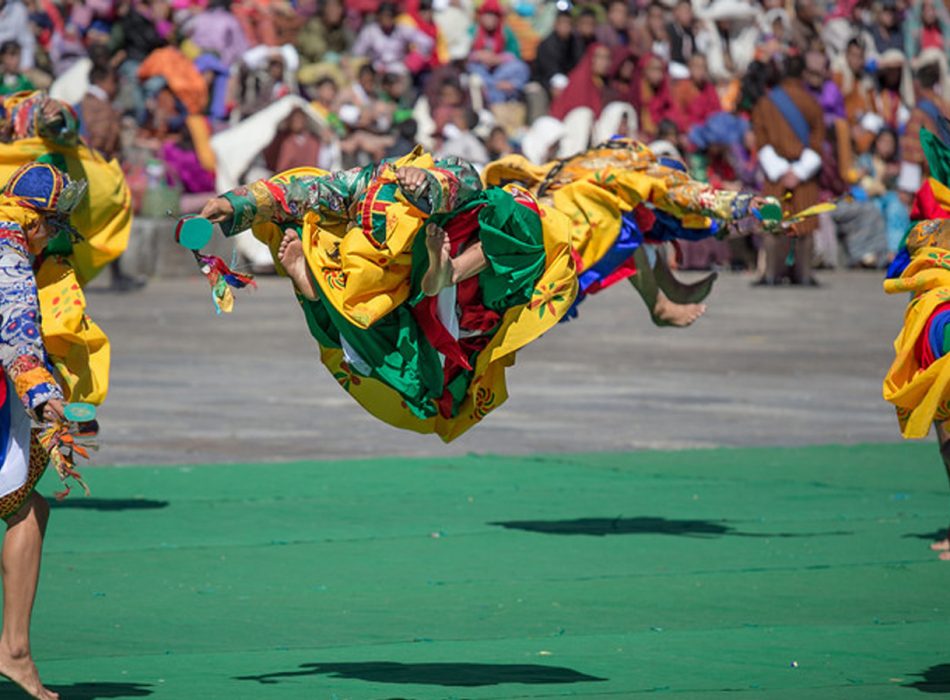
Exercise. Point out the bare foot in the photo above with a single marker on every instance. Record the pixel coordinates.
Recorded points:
(439, 274)
(21, 670)
(292, 258)
(941, 545)
(679, 315)
(944, 556)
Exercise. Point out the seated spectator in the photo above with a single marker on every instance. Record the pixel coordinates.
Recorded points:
(931, 108)
(588, 84)
(217, 76)
(879, 171)
(12, 79)
(926, 26)
(615, 32)
(218, 31)
(886, 30)
(586, 26)
(325, 38)
(559, 52)
(695, 98)
(15, 26)
(498, 144)
(656, 97)
(387, 44)
(496, 57)
(681, 31)
(856, 85)
(806, 26)
(419, 15)
(895, 94)
(99, 120)
(656, 38)
(294, 146)
(822, 87)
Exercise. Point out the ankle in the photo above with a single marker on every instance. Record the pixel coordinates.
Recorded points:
(15, 650)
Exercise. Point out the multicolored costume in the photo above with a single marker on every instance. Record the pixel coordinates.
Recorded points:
(918, 382)
(35, 127)
(29, 367)
(437, 364)
(620, 197)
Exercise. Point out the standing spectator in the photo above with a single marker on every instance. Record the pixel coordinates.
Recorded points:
(559, 52)
(12, 80)
(681, 32)
(886, 31)
(496, 57)
(694, 99)
(99, 121)
(790, 133)
(387, 44)
(218, 31)
(15, 26)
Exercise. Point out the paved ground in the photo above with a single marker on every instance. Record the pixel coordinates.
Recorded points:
(764, 367)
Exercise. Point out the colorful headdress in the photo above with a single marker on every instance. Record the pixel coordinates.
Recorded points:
(49, 191)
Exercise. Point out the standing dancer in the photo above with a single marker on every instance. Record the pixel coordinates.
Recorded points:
(420, 328)
(35, 205)
(918, 382)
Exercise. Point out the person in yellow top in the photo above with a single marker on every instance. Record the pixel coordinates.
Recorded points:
(918, 381)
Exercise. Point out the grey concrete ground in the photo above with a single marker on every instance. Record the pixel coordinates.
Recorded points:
(765, 366)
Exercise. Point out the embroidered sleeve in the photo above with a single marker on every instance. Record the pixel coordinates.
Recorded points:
(21, 343)
(286, 200)
(38, 115)
(684, 198)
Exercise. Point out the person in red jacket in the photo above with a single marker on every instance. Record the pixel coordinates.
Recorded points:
(694, 99)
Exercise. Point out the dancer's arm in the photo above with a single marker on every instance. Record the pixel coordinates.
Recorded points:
(283, 201)
(38, 115)
(684, 197)
(22, 352)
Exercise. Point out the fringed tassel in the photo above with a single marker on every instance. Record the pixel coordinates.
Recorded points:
(222, 278)
(60, 443)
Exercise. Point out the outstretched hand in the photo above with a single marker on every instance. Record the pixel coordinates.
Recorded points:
(53, 411)
(217, 210)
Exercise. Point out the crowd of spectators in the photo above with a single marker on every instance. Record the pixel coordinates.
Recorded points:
(196, 95)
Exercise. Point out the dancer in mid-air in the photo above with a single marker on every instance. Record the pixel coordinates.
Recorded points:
(918, 381)
(420, 283)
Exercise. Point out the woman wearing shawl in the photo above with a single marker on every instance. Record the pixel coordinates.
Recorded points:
(35, 206)
(588, 84)
(495, 56)
(918, 381)
(420, 284)
(926, 26)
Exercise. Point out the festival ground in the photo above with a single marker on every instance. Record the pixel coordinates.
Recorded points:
(583, 566)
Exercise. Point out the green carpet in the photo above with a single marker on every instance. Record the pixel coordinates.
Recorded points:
(786, 573)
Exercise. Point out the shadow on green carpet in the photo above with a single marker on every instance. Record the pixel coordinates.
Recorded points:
(646, 525)
(467, 675)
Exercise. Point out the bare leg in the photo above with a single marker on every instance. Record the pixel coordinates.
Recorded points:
(943, 439)
(444, 270)
(292, 258)
(22, 549)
